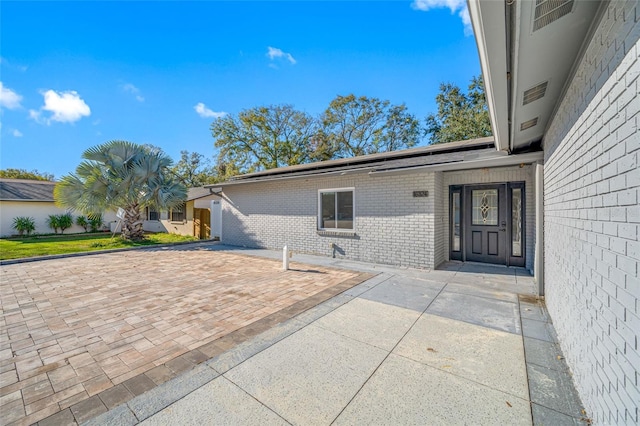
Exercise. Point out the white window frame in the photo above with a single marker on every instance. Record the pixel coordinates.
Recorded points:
(353, 195)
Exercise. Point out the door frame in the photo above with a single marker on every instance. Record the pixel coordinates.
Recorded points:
(458, 194)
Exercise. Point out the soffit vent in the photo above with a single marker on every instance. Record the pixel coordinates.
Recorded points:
(534, 93)
(528, 124)
(548, 11)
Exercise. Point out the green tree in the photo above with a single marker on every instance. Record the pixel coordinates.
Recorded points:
(24, 224)
(65, 221)
(460, 116)
(82, 221)
(121, 174)
(24, 174)
(53, 222)
(194, 169)
(360, 125)
(263, 138)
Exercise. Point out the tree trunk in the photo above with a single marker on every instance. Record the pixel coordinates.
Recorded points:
(132, 223)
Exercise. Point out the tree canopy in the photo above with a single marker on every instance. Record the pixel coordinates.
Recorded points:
(25, 174)
(460, 116)
(121, 174)
(354, 126)
(279, 135)
(263, 138)
(193, 169)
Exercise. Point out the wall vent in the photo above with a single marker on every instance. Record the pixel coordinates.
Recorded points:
(528, 124)
(534, 93)
(548, 11)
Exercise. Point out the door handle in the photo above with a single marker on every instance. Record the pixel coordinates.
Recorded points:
(502, 229)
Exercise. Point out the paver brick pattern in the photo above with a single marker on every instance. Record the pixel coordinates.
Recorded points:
(72, 328)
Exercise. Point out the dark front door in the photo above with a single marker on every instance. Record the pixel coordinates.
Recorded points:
(486, 223)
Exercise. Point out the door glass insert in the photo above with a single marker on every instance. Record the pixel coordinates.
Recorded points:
(484, 207)
(455, 219)
(516, 222)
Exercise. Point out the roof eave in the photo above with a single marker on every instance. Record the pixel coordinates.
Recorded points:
(489, 26)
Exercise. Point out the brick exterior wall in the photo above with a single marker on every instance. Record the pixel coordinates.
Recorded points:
(592, 217)
(495, 175)
(391, 226)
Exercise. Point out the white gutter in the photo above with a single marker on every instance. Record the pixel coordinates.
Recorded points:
(481, 163)
(489, 27)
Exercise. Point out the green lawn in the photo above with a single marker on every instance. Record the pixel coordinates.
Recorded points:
(16, 248)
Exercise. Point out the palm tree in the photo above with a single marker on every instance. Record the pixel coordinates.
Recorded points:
(121, 174)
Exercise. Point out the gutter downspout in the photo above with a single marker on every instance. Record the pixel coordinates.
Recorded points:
(538, 272)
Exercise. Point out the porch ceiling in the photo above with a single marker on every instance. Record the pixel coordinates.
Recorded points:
(525, 81)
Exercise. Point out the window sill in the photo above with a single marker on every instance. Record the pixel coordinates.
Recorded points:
(325, 233)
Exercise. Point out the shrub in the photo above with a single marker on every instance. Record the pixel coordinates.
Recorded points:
(82, 221)
(24, 224)
(65, 221)
(53, 222)
(95, 222)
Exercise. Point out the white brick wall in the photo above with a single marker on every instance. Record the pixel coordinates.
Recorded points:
(495, 175)
(391, 226)
(592, 219)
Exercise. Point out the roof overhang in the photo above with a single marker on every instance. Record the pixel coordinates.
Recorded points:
(528, 52)
(473, 161)
(489, 26)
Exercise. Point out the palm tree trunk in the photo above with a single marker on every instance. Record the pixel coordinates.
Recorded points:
(132, 223)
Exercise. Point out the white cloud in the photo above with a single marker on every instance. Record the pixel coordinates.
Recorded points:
(8, 98)
(274, 53)
(130, 88)
(65, 107)
(459, 6)
(205, 112)
(17, 133)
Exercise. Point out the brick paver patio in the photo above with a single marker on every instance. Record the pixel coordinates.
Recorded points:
(81, 335)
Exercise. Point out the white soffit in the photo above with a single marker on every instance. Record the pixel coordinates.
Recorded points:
(488, 20)
(544, 55)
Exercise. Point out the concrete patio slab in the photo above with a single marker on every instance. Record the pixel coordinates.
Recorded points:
(554, 389)
(360, 320)
(480, 354)
(406, 392)
(475, 290)
(405, 292)
(310, 376)
(477, 310)
(218, 402)
(544, 354)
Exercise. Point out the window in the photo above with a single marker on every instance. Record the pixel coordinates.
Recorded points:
(177, 213)
(455, 220)
(484, 207)
(152, 214)
(516, 222)
(335, 209)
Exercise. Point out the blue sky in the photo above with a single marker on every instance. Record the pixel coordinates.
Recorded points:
(77, 74)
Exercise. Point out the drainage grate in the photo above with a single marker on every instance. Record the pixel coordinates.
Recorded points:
(534, 93)
(548, 11)
(528, 124)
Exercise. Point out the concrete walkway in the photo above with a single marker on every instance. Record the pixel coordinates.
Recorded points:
(467, 344)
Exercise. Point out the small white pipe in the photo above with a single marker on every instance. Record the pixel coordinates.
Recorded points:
(285, 258)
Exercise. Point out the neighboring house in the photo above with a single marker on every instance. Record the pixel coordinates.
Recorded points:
(556, 192)
(32, 198)
(195, 217)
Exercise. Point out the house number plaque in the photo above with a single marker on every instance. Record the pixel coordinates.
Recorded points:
(420, 193)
